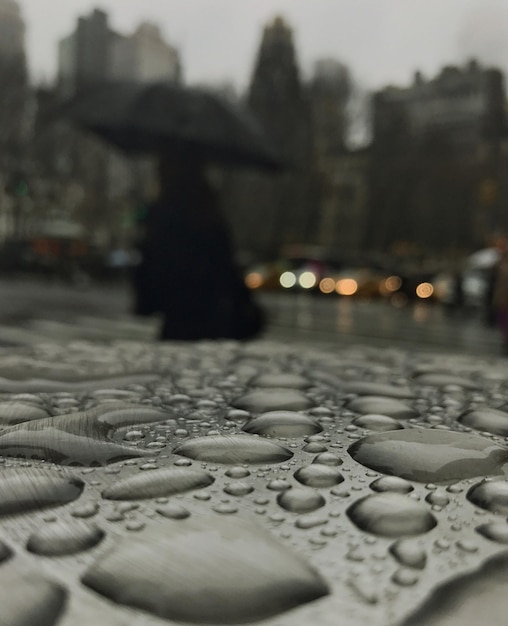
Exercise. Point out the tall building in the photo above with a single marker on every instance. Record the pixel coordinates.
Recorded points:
(270, 212)
(12, 29)
(94, 53)
(436, 145)
(144, 56)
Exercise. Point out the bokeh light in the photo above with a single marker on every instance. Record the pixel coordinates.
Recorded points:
(287, 280)
(307, 280)
(346, 286)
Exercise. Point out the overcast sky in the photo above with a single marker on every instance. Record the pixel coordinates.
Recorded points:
(382, 41)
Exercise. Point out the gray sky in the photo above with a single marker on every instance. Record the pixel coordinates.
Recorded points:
(382, 41)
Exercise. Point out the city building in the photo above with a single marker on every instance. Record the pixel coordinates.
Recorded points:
(94, 53)
(436, 147)
(144, 56)
(12, 29)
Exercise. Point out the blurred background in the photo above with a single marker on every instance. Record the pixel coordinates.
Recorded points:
(390, 114)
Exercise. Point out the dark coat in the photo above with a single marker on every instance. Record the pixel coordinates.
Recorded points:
(188, 273)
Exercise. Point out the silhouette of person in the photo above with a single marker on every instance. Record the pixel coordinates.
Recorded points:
(187, 271)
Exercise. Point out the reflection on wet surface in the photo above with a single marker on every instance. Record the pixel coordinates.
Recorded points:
(231, 483)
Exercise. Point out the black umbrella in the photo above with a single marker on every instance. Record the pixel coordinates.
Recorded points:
(161, 117)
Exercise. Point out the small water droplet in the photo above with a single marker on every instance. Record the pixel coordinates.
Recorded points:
(300, 500)
(491, 495)
(391, 483)
(319, 476)
(409, 553)
(282, 424)
(238, 488)
(233, 450)
(173, 511)
(64, 538)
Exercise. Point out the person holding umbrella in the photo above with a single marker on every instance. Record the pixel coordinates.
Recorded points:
(187, 270)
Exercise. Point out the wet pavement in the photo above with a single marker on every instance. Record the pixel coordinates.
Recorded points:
(223, 483)
(279, 482)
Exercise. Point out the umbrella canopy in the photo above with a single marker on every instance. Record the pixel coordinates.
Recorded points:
(161, 117)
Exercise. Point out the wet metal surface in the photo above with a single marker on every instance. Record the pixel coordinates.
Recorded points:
(224, 483)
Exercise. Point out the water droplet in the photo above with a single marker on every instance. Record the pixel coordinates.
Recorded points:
(409, 553)
(157, 483)
(278, 484)
(237, 472)
(173, 511)
(64, 538)
(490, 420)
(467, 600)
(494, 531)
(213, 570)
(27, 598)
(12, 412)
(77, 438)
(88, 509)
(225, 508)
(438, 497)
(30, 489)
(390, 407)
(318, 476)
(314, 447)
(300, 500)
(391, 515)
(429, 455)
(378, 423)
(491, 495)
(282, 381)
(367, 388)
(405, 577)
(391, 483)
(310, 521)
(282, 424)
(327, 458)
(238, 488)
(135, 525)
(443, 380)
(233, 449)
(262, 400)
(466, 546)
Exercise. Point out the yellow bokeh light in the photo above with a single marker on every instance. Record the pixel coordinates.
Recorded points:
(327, 285)
(287, 280)
(254, 280)
(424, 290)
(392, 283)
(346, 286)
(307, 280)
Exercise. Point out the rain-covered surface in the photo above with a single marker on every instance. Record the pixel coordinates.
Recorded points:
(224, 483)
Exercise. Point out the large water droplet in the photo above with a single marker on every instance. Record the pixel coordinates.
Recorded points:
(391, 483)
(64, 538)
(17, 412)
(282, 424)
(429, 455)
(491, 495)
(233, 450)
(173, 511)
(442, 380)
(27, 598)
(327, 458)
(378, 423)
(391, 515)
(490, 420)
(300, 500)
(263, 400)
(30, 489)
(317, 476)
(367, 388)
(475, 598)
(213, 570)
(157, 483)
(384, 406)
(78, 438)
(409, 553)
(282, 381)
(494, 531)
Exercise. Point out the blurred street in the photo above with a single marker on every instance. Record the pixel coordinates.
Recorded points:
(32, 311)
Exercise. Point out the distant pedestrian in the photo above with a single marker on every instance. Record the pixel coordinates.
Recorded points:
(187, 271)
